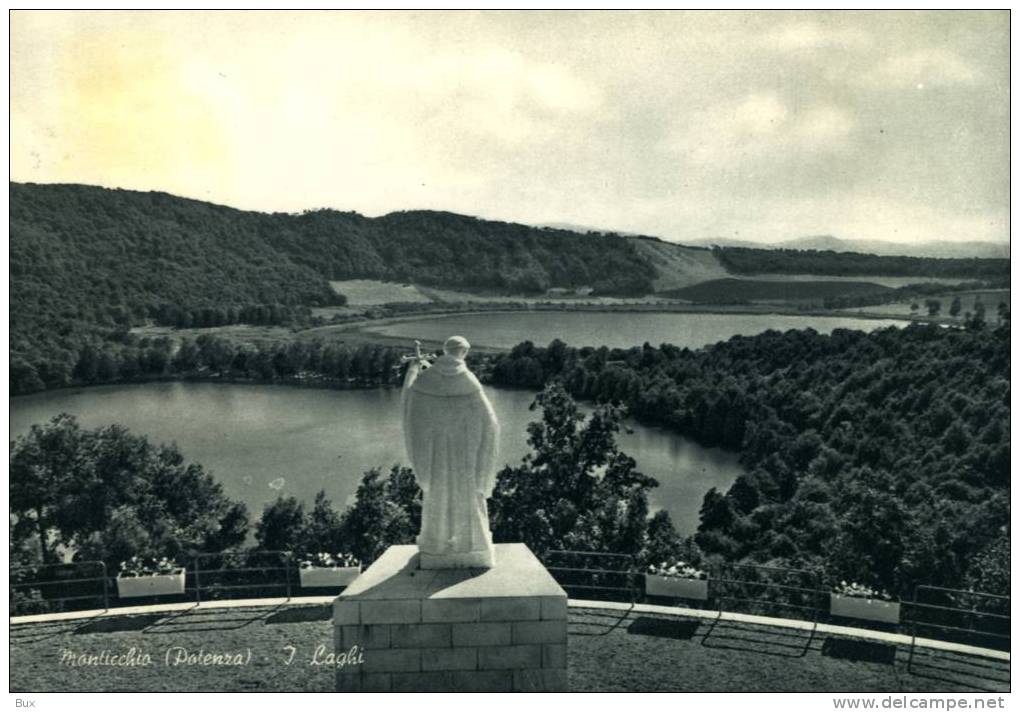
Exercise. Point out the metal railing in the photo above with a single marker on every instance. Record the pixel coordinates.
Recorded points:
(33, 592)
(980, 619)
(259, 571)
(952, 615)
(52, 588)
(785, 588)
(595, 573)
(965, 617)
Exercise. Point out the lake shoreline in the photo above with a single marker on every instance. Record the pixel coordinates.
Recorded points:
(323, 384)
(360, 328)
(362, 332)
(294, 441)
(688, 328)
(358, 325)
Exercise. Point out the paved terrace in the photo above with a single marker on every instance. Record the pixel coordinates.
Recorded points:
(285, 646)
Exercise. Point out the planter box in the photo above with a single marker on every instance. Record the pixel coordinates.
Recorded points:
(868, 609)
(157, 585)
(322, 577)
(670, 587)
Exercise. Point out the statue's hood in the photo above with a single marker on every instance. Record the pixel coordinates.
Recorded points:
(448, 376)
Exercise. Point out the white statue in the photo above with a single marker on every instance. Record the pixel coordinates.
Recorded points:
(451, 434)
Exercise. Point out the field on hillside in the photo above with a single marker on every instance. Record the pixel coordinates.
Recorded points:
(891, 282)
(370, 292)
(990, 298)
(742, 290)
(242, 333)
(679, 266)
(450, 296)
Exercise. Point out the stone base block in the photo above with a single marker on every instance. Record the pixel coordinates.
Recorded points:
(484, 559)
(502, 629)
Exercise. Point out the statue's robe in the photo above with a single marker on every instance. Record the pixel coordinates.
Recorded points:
(451, 435)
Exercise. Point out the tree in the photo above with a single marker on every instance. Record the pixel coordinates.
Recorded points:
(664, 543)
(43, 466)
(102, 492)
(1003, 311)
(927, 404)
(215, 352)
(23, 377)
(934, 306)
(125, 537)
(977, 322)
(106, 366)
(375, 522)
(575, 490)
(232, 531)
(990, 572)
(871, 542)
(156, 358)
(716, 511)
(325, 532)
(87, 368)
(187, 356)
(955, 307)
(402, 489)
(283, 526)
(745, 495)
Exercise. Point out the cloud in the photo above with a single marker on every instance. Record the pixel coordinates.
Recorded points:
(804, 35)
(822, 127)
(505, 96)
(761, 127)
(923, 67)
(657, 122)
(514, 79)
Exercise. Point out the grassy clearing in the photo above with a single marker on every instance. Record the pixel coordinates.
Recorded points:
(989, 297)
(243, 333)
(607, 651)
(891, 282)
(679, 266)
(362, 293)
(372, 292)
(737, 290)
(449, 296)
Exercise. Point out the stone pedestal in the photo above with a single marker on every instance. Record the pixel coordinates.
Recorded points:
(500, 629)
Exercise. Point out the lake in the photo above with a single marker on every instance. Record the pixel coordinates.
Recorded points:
(615, 329)
(264, 441)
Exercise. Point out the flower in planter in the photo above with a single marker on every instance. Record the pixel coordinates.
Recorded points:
(137, 566)
(330, 561)
(856, 590)
(677, 569)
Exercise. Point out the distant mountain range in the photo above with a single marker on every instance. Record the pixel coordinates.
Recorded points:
(932, 248)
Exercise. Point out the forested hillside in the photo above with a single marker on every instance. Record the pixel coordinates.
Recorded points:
(749, 260)
(446, 249)
(881, 458)
(87, 263)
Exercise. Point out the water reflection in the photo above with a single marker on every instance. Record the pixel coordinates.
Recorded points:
(264, 441)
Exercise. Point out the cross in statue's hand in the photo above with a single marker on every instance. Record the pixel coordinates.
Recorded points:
(417, 354)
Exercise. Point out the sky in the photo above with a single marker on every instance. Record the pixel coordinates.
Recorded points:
(760, 126)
